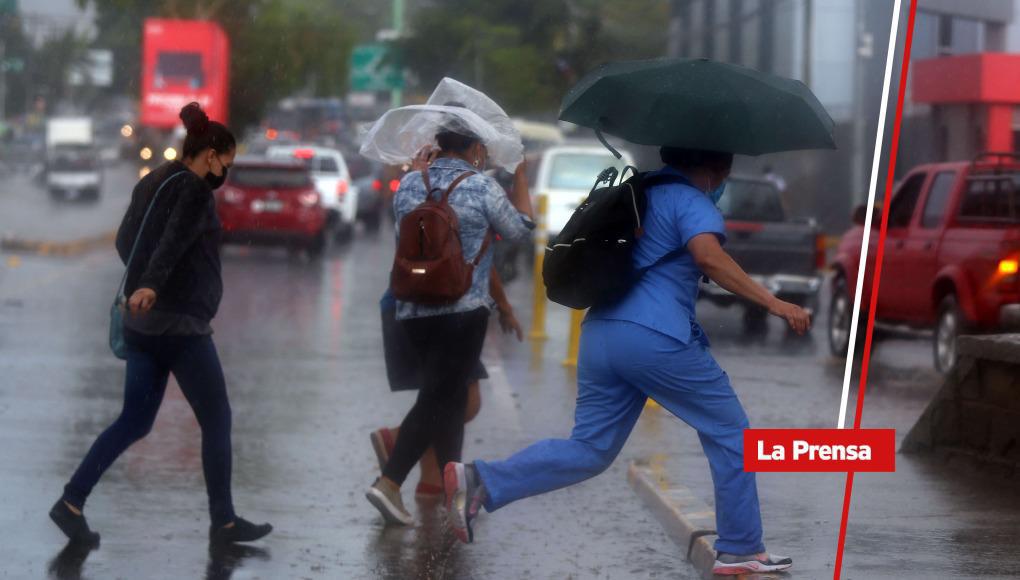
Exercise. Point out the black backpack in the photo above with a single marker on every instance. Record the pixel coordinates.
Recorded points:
(590, 262)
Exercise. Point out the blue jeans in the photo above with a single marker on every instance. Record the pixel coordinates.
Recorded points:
(196, 366)
(621, 365)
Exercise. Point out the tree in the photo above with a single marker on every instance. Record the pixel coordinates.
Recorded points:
(527, 53)
(278, 47)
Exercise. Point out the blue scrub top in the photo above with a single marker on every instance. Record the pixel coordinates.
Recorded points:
(663, 299)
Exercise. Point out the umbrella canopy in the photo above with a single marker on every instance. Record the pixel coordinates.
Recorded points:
(399, 134)
(700, 104)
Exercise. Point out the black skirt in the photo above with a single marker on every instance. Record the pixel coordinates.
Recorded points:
(403, 367)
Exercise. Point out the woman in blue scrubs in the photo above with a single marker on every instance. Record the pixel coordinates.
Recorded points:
(649, 344)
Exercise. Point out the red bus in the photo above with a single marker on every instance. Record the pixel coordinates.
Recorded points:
(183, 61)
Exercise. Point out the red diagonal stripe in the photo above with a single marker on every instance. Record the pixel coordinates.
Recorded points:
(879, 257)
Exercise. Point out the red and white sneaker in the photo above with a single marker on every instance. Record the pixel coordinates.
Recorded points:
(383, 442)
(464, 496)
(733, 564)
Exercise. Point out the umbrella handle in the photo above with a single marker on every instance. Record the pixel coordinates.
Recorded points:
(602, 139)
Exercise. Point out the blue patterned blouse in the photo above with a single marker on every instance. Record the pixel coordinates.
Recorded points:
(480, 204)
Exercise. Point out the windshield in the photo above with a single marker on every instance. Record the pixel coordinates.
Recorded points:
(752, 201)
(270, 177)
(73, 159)
(579, 170)
(180, 67)
(992, 198)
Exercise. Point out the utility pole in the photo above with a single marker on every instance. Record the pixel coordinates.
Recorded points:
(3, 76)
(397, 94)
(809, 27)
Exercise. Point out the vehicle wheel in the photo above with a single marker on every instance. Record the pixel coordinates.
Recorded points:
(756, 320)
(316, 245)
(948, 327)
(841, 311)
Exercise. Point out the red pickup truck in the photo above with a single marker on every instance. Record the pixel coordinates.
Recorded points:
(951, 255)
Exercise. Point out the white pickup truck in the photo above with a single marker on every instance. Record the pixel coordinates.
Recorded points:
(73, 168)
(332, 181)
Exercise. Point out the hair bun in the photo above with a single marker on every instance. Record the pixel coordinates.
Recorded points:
(195, 119)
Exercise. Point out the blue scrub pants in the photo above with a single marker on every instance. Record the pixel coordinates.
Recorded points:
(621, 365)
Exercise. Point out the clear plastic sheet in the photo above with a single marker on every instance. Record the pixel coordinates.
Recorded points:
(399, 134)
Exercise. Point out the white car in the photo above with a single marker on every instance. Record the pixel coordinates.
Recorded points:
(566, 174)
(332, 181)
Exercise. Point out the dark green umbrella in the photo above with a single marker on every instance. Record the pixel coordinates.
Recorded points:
(700, 104)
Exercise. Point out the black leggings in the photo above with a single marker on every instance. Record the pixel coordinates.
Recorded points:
(449, 347)
(196, 366)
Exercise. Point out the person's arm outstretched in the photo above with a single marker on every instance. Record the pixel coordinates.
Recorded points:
(720, 267)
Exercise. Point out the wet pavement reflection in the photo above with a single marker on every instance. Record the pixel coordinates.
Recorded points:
(301, 347)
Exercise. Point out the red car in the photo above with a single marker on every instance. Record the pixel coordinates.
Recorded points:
(272, 202)
(951, 255)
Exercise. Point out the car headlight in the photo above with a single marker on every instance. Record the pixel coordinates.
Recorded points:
(145, 153)
(169, 154)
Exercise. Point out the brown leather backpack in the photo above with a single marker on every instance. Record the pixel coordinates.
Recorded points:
(429, 265)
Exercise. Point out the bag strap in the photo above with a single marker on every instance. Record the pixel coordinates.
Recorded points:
(646, 183)
(445, 199)
(138, 236)
(485, 246)
(455, 183)
(427, 182)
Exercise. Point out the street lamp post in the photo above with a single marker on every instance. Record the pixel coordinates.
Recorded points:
(396, 94)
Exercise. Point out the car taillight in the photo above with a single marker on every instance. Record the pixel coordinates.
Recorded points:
(341, 188)
(820, 252)
(231, 195)
(1008, 267)
(309, 198)
(377, 184)
(394, 185)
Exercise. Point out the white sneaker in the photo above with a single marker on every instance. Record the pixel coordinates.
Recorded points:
(389, 504)
(733, 564)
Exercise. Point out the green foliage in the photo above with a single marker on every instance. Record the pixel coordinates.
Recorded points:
(278, 47)
(527, 53)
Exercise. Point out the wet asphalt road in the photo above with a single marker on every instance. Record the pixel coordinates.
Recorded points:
(300, 344)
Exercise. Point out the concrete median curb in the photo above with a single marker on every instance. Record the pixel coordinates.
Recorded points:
(45, 248)
(688, 520)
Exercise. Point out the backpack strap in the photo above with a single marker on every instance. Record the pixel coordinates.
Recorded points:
(456, 182)
(445, 199)
(427, 182)
(485, 246)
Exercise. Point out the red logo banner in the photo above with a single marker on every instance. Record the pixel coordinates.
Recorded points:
(819, 450)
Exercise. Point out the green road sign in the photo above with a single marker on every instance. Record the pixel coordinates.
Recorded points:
(12, 65)
(375, 67)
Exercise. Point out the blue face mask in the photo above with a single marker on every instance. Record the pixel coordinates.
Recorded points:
(716, 194)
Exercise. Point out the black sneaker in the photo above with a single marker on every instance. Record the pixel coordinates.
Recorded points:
(734, 564)
(241, 531)
(74, 526)
(464, 497)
